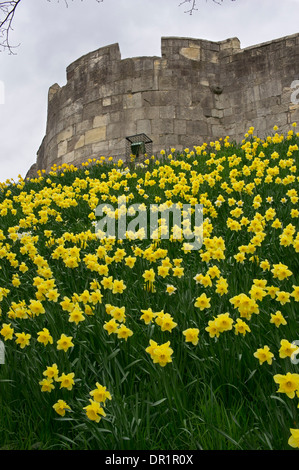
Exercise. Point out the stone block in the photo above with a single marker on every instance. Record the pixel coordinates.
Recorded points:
(270, 88)
(123, 85)
(65, 134)
(107, 101)
(279, 120)
(84, 126)
(167, 82)
(144, 127)
(101, 120)
(143, 83)
(191, 52)
(167, 112)
(68, 157)
(132, 115)
(117, 147)
(62, 148)
(196, 127)
(97, 134)
(92, 109)
(83, 153)
(210, 56)
(53, 90)
(80, 142)
(132, 100)
(121, 130)
(114, 117)
(146, 112)
(217, 113)
(162, 126)
(100, 148)
(180, 126)
(70, 109)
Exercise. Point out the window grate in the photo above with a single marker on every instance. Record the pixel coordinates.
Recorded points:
(138, 146)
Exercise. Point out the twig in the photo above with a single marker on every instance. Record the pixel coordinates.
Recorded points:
(7, 13)
(193, 4)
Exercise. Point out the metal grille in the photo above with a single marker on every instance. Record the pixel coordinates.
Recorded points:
(138, 145)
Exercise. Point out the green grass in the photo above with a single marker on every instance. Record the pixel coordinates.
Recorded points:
(214, 395)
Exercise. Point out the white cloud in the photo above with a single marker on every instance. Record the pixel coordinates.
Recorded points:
(52, 36)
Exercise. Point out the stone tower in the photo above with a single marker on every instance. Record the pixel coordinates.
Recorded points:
(197, 91)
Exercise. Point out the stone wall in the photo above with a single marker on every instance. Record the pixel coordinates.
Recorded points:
(196, 91)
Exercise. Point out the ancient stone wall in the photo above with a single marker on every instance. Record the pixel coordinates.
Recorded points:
(197, 91)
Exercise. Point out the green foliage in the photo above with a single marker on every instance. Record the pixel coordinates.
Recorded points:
(212, 395)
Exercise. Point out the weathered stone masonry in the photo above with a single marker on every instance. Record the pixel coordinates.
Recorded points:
(196, 91)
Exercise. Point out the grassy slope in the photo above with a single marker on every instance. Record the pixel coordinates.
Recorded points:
(214, 395)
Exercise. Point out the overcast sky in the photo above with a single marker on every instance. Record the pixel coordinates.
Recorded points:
(52, 36)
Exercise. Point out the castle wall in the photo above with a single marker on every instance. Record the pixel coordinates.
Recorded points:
(196, 91)
(257, 88)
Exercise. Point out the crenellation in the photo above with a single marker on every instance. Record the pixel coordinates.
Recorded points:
(52, 90)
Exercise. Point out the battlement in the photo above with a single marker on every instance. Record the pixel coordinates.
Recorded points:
(196, 91)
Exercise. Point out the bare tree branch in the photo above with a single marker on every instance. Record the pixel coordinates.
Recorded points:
(7, 13)
(8, 10)
(193, 5)
(67, 1)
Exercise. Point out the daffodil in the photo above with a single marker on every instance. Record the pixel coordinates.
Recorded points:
(294, 438)
(23, 339)
(264, 355)
(123, 332)
(287, 349)
(46, 385)
(64, 343)
(202, 302)
(278, 319)
(60, 407)
(44, 337)
(7, 331)
(100, 393)
(288, 383)
(67, 380)
(191, 335)
(94, 411)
